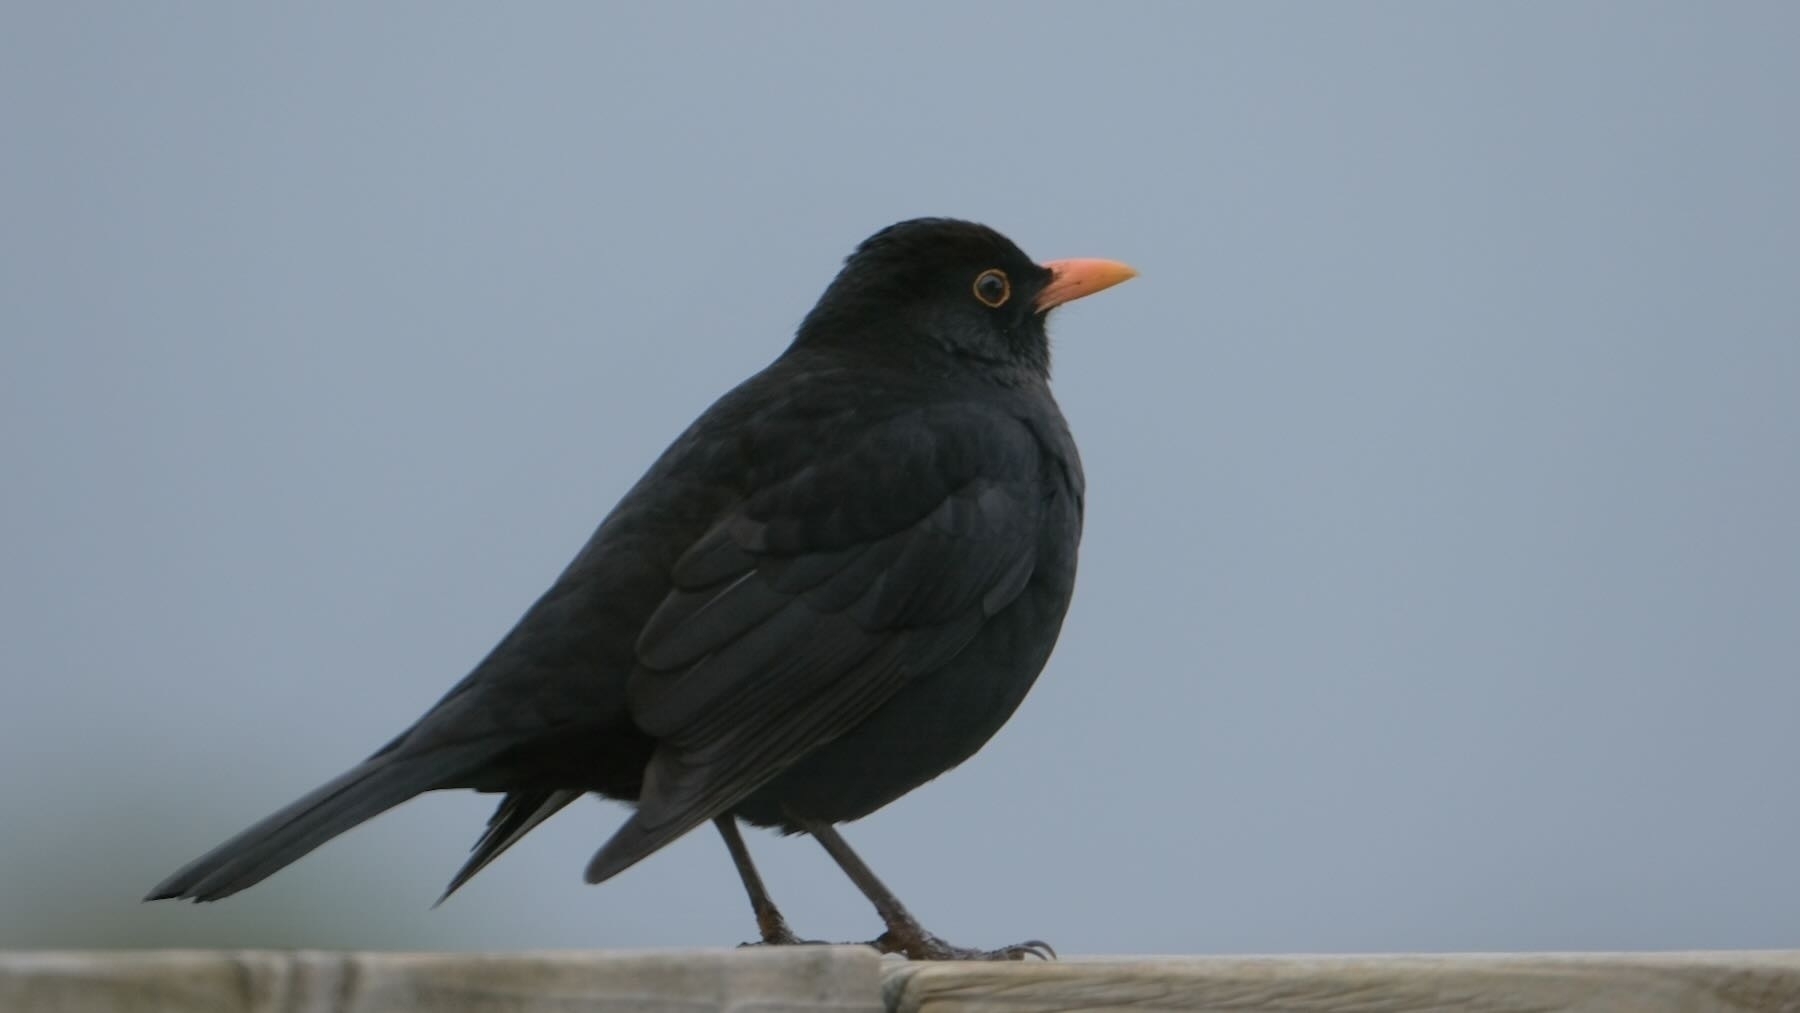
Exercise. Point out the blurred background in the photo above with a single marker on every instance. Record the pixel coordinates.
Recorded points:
(1441, 586)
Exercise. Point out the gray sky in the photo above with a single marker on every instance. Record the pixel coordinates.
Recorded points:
(1441, 586)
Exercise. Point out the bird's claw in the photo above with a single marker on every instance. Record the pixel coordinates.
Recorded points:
(795, 941)
(925, 946)
(1033, 948)
(783, 936)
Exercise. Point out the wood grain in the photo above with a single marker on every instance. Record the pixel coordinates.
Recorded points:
(808, 979)
(854, 980)
(1746, 982)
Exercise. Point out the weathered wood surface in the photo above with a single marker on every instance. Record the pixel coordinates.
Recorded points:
(1741, 982)
(843, 979)
(812, 979)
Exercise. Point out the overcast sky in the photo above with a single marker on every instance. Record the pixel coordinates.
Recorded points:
(1441, 584)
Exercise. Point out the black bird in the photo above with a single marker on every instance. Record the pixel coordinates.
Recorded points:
(836, 585)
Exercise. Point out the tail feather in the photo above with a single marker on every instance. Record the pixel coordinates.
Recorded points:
(364, 792)
(519, 814)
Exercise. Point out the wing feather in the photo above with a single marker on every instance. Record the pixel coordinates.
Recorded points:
(801, 612)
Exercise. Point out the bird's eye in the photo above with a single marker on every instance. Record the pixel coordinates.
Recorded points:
(992, 288)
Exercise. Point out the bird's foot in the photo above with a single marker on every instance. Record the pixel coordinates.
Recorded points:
(775, 931)
(922, 945)
(787, 939)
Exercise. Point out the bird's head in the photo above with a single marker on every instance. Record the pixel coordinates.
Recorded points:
(935, 286)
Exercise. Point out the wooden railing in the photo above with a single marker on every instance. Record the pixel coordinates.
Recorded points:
(845, 979)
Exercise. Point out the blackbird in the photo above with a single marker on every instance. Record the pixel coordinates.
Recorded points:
(836, 585)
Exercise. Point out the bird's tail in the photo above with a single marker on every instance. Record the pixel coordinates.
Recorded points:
(380, 783)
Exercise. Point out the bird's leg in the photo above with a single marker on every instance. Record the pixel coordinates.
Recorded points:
(774, 928)
(904, 934)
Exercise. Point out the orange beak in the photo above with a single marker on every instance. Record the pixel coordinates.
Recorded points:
(1072, 279)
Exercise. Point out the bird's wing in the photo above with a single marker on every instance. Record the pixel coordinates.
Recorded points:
(800, 613)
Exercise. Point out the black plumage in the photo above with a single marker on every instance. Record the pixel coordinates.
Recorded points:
(835, 585)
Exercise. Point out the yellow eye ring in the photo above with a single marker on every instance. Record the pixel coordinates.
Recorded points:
(993, 288)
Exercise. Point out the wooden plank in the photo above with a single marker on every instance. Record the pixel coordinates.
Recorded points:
(1738, 982)
(809, 979)
(854, 980)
